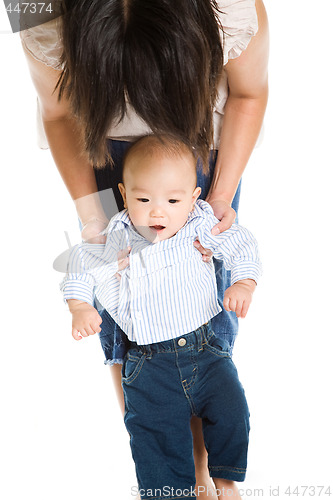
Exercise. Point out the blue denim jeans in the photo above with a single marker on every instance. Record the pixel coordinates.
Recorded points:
(225, 325)
(165, 384)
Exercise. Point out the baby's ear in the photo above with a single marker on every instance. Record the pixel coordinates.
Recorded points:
(122, 190)
(195, 195)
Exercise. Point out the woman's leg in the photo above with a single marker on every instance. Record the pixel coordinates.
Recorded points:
(112, 341)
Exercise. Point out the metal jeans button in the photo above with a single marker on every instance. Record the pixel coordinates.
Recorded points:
(181, 342)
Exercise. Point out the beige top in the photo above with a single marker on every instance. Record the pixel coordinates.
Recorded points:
(239, 21)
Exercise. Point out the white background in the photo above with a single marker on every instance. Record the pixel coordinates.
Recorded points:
(62, 434)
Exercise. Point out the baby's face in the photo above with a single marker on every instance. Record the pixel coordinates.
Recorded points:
(159, 193)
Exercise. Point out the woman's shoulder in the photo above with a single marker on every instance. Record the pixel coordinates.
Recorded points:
(43, 42)
(240, 23)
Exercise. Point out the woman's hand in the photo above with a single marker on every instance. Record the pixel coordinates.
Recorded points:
(205, 252)
(123, 260)
(92, 229)
(226, 215)
(222, 211)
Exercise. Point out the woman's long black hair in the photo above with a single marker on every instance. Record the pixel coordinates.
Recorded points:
(164, 57)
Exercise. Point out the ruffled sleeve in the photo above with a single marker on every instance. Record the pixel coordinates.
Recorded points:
(43, 43)
(240, 23)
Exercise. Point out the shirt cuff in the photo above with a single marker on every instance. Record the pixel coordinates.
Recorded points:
(246, 271)
(78, 290)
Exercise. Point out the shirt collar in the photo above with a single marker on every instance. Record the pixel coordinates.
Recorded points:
(196, 212)
(120, 217)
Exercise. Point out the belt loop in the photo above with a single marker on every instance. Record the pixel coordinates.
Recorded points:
(200, 339)
(204, 333)
(208, 330)
(147, 351)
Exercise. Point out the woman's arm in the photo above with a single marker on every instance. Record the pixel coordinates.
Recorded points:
(63, 135)
(243, 118)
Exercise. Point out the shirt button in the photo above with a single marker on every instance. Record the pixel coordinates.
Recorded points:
(181, 342)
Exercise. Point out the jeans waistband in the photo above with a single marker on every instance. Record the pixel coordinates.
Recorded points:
(192, 340)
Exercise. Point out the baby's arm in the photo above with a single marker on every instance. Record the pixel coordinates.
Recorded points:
(85, 319)
(85, 267)
(238, 249)
(238, 297)
(78, 286)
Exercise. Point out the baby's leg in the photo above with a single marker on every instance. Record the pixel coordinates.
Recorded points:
(225, 415)
(226, 489)
(204, 486)
(116, 378)
(157, 417)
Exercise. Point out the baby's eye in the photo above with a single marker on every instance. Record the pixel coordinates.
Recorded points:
(173, 201)
(144, 200)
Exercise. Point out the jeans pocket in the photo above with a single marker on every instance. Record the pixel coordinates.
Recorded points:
(132, 365)
(218, 346)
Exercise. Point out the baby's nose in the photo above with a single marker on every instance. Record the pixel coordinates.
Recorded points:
(156, 211)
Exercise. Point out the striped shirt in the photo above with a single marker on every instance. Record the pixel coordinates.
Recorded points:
(166, 290)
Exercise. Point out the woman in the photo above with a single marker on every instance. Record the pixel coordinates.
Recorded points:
(194, 69)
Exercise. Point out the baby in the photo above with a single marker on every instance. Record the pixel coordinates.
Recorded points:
(163, 300)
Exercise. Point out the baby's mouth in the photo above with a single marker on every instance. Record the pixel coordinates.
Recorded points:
(157, 227)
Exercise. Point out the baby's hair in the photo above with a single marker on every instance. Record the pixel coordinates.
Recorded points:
(156, 145)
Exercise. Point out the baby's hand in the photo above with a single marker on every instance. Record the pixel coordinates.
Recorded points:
(238, 297)
(85, 319)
